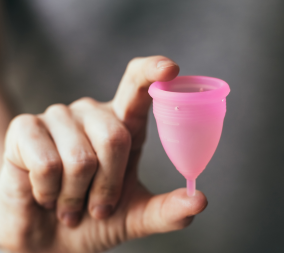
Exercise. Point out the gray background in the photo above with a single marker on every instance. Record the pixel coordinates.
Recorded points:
(58, 51)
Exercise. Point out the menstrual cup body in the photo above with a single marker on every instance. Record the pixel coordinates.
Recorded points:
(190, 134)
(189, 112)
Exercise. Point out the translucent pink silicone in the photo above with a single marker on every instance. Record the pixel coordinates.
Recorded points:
(189, 112)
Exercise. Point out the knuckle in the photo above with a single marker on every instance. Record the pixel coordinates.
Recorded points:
(82, 163)
(82, 102)
(25, 121)
(85, 100)
(57, 110)
(118, 137)
(48, 166)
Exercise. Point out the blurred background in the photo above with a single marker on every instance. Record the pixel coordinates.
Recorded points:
(58, 51)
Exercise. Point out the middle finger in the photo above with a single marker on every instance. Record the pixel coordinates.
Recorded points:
(111, 141)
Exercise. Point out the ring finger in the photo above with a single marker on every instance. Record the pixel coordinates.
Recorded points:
(79, 162)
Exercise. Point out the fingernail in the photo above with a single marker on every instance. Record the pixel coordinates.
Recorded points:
(71, 218)
(49, 205)
(101, 211)
(165, 64)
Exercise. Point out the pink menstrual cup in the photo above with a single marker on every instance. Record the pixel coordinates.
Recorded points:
(189, 112)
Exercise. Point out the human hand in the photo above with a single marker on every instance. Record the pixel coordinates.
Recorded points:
(69, 179)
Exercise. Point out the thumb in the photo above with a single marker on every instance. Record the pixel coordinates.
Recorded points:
(170, 211)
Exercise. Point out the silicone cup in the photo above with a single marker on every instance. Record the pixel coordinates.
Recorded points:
(189, 112)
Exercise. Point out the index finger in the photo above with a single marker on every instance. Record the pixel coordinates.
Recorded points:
(132, 100)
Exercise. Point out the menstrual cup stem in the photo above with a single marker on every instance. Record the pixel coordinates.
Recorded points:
(190, 185)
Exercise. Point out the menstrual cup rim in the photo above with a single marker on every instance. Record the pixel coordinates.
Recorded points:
(191, 97)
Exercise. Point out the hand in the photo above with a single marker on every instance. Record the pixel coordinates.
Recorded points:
(69, 179)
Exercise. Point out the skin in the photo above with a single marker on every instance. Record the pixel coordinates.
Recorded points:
(69, 176)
